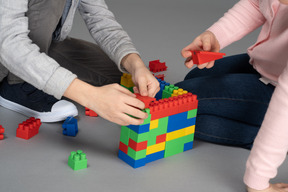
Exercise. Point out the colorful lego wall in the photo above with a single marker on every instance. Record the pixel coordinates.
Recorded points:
(167, 131)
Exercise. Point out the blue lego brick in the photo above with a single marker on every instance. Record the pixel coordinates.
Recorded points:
(155, 156)
(70, 127)
(139, 128)
(188, 146)
(179, 121)
(133, 163)
(162, 87)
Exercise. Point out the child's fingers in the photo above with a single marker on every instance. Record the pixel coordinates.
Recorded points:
(202, 66)
(195, 45)
(210, 64)
(206, 40)
(189, 62)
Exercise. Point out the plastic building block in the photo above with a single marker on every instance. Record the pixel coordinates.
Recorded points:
(156, 66)
(2, 130)
(91, 113)
(70, 127)
(173, 105)
(160, 76)
(145, 99)
(200, 57)
(77, 160)
(28, 128)
(126, 80)
(168, 130)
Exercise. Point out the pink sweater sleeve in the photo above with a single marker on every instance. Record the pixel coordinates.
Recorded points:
(243, 18)
(271, 144)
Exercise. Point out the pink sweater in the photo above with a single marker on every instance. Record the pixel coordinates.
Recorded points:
(269, 56)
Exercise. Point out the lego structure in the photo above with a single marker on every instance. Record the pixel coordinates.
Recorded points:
(77, 160)
(200, 57)
(2, 130)
(168, 130)
(156, 66)
(91, 113)
(70, 127)
(29, 128)
(126, 81)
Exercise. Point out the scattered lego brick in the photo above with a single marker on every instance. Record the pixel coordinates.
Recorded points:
(2, 130)
(91, 113)
(200, 57)
(28, 128)
(77, 160)
(169, 130)
(70, 127)
(156, 66)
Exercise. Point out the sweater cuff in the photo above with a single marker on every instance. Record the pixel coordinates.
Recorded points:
(121, 52)
(218, 32)
(255, 181)
(59, 82)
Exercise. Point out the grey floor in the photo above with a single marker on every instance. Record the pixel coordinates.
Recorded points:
(159, 29)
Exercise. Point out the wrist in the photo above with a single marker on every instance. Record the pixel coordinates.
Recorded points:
(131, 62)
(78, 91)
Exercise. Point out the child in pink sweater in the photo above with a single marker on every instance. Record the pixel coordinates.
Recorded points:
(254, 88)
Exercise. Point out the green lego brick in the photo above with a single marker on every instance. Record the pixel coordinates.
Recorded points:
(138, 137)
(188, 138)
(176, 146)
(192, 113)
(161, 129)
(124, 135)
(136, 154)
(77, 160)
(168, 91)
(148, 119)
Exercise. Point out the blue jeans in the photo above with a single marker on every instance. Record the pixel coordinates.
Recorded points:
(232, 101)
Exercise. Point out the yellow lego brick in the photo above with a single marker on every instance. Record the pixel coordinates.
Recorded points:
(189, 130)
(180, 133)
(126, 80)
(155, 148)
(154, 124)
(175, 134)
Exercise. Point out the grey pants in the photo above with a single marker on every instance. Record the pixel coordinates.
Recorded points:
(83, 58)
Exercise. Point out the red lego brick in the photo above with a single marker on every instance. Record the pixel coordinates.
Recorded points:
(137, 146)
(91, 113)
(2, 130)
(173, 105)
(160, 76)
(145, 99)
(161, 138)
(156, 66)
(200, 57)
(123, 147)
(28, 128)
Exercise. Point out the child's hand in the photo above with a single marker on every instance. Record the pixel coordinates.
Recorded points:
(146, 84)
(278, 187)
(204, 42)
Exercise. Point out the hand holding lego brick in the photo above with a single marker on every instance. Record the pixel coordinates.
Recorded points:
(112, 102)
(204, 42)
(145, 83)
(278, 187)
